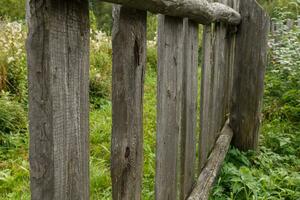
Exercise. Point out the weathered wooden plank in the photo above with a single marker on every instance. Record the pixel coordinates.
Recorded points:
(223, 78)
(219, 88)
(249, 69)
(129, 63)
(189, 107)
(216, 84)
(58, 74)
(210, 171)
(230, 51)
(201, 11)
(205, 142)
(170, 69)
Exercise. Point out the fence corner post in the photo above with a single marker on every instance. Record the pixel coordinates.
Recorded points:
(249, 70)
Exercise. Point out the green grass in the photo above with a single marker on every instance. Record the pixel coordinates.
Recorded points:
(14, 167)
(273, 173)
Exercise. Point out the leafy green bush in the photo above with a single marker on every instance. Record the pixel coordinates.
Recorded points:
(151, 26)
(100, 68)
(13, 67)
(282, 83)
(282, 9)
(266, 175)
(12, 9)
(152, 56)
(12, 116)
(103, 14)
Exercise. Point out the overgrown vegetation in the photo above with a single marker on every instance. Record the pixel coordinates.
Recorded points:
(271, 173)
(274, 171)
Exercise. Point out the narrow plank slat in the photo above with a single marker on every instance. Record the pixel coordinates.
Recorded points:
(216, 84)
(58, 75)
(219, 81)
(129, 62)
(170, 47)
(230, 56)
(205, 142)
(249, 69)
(189, 107)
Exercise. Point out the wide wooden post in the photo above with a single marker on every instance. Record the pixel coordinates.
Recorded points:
(129, 64)
(249, 70)
(58, 74)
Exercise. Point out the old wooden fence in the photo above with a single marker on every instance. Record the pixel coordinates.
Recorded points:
(234, 60)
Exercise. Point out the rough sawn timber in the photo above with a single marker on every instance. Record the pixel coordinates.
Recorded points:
(58, 75)
(129, 64)
(249, 69)
(216, 84)
(169, 95)
(209, 173)
(189, 107)
(200, 11)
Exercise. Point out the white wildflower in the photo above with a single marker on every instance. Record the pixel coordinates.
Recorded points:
(10, 60)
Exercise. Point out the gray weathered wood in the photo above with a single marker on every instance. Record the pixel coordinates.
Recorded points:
(58, 74)
(216, 84)
(210, 171)
(205, 143)
(230, 51)
(189, 108)
(169, 87)
(129, 63)
(219, 84)
(200, 11)
(249, 69)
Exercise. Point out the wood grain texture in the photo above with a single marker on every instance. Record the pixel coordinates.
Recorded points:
(169, 87)
(201, 11)
(249, 70)
(58, 74)
(129, 63)
(230, 56)
(216, 84)
(189, 107)
(205, 143)
(211, 170)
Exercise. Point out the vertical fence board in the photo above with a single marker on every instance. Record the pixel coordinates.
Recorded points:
(206, 96)
(58, 73)
(189, 107)
(249, 70)
(170, 47)
(219, 81)
(129, 63)
(230, 51)
(216, 84)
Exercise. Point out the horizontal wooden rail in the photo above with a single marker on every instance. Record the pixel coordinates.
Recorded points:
(210, 171)
(200, 11)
